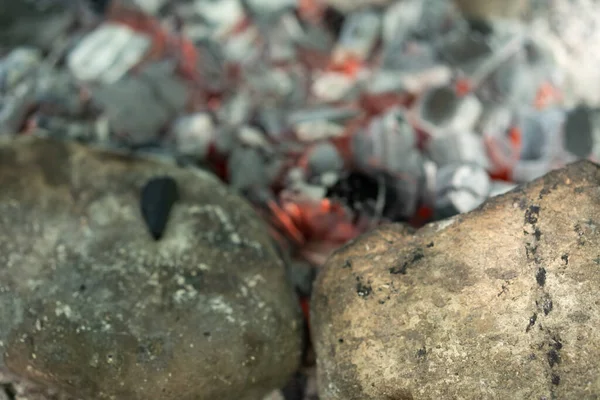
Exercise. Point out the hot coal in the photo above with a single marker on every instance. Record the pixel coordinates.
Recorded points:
(363, 192)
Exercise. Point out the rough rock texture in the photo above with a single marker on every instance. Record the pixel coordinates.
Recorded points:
(90, 303)
(500, 303)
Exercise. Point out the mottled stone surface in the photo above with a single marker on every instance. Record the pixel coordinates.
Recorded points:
(500, 303)
(90, 303)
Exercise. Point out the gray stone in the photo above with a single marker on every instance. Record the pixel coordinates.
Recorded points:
(500, 303)
(91, 304)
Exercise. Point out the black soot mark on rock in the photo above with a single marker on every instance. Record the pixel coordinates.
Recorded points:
(547, 305)
(540, 276)
(580, 233)
(156, 201)
(545, 190)
(553, 358)
(413, 258)
(532, 214)
(565, 258)
(531, 324)
(363, 289)
(553, 355)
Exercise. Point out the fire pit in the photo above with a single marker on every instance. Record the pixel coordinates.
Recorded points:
(329, 119)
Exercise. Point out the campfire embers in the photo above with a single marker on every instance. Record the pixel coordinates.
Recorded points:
(330, 122)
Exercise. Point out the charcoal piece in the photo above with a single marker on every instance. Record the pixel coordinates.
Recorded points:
(361, 191)
(480, 26)
(99, 6)
(157, 199)
(334, 20)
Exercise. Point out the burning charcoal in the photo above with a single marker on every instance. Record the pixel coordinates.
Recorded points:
(57, 93)
(247, 169)
(311, 36)
(193, 135)
(500, 187)
(579, 131)
(305, 191)
(334, 20)
(460, 188)
(280, 43)
(516, 82)
(442, 110)
(540, 144)
(14, 108)
(322, 123)
(359, 34)
(18, 73)
(20, 64)
(243, 47)
(386, 144)
(137, 122)
(151, 7)
(458, 147)
(35, 23)
(349, 6)
(464, 51)
(375, 195)
(399, 21)
(389, 81)
(220, 16)
(236, 109)
(495, 120)
(275, 84)
(165, 85)
(108, 53)
(333, 87)
(438, 19)
(492, 8)
(99, 6)
(271, 120)
(323, 113)
(157, 198)
(323, 158)
(254, 137)
(428, 191)
(67, 129)
(263, 9)
(409, 56)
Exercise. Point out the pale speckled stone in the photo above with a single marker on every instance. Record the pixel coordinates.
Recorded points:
(500, 303)
(91, 304)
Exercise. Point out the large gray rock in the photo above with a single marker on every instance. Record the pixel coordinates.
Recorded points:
(500, 303)
(90, 303)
